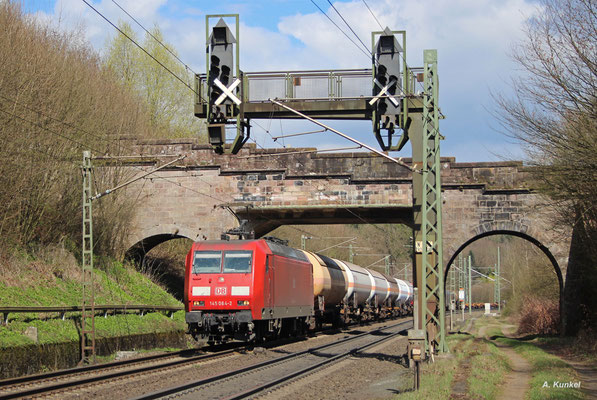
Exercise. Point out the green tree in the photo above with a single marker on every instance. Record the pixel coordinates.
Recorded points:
(123, 56)
(168, 100)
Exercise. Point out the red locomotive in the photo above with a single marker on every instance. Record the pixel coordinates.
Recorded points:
(257, 289)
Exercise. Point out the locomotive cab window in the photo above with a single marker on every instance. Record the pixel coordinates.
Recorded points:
(206, 262)
(238, 261)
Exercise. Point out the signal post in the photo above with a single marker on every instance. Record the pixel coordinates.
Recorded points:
(228, 97)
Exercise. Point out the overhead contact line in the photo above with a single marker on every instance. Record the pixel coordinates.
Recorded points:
(141, 48)
(154, 38)
(376, 20)
(349, 27)
(367, 53)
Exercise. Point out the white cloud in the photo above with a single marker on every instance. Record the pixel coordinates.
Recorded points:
(473, 38)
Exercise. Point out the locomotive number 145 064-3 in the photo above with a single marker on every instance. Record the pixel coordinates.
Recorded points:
(220, 303)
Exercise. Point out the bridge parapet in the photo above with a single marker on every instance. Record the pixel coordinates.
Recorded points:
(299, 186)
(357, 166)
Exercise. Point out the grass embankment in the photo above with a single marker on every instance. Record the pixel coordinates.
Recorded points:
(478, 368)
(56, 280)
(475, 366)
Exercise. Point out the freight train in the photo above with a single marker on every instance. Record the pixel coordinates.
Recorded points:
(260, 289)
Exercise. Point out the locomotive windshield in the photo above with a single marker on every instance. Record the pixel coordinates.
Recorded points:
(206, 262)
(210, 262)
(238, 261)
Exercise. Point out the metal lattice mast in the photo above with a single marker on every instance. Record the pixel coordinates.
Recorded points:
(470, 285)
(88, 305)
(496, 295)
(453, 287)
(460, 279)
(387, 265)
(431, 225)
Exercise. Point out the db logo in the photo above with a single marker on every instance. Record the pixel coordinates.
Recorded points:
(220, 291)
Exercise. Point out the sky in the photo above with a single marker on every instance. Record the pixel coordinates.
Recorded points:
(474, 40)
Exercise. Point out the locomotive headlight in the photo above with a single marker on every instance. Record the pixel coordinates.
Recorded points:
(243, 302)
(199, 303)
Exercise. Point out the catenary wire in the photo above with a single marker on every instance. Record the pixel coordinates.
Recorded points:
(376, 20)
(85, 146)
(367, 54)
(79, 144)
(349, 27)
(190, 88)
(142, 49)
(154, 38)
(53, 119)
(105, 154)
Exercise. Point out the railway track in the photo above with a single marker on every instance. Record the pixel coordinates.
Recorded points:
(69, 380)
(248, 381)
(44, 384)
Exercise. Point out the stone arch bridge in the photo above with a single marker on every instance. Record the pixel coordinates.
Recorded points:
(205, 194)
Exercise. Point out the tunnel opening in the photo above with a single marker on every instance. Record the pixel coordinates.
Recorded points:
(161, 258)
(526, 278)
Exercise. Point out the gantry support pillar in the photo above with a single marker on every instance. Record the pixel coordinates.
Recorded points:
(429, 272)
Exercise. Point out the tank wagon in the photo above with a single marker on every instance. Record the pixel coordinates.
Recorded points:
(259, 289)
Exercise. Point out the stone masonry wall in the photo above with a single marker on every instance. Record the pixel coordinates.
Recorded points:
(189, 200)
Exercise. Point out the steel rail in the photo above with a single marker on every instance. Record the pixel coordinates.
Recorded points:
(4, 383)
(196, 384)
(96, 379)
(311, 368)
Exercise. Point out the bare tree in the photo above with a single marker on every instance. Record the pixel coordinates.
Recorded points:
(553, 114)
(56, 100)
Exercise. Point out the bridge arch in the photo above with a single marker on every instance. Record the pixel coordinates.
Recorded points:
(521, 232)
(147, 240)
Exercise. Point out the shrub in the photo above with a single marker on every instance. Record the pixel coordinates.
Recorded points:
(539, 316)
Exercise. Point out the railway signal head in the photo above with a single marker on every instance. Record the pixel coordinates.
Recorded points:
(222, 85)
(387, 86)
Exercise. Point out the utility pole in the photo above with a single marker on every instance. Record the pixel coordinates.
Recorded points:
(88, 353)
(497, 294)
(470, 287)
(453, 296)
(387, 260)
(88, 305)
(350, 253)
(303, 242)
(427, 205)
(461, 285)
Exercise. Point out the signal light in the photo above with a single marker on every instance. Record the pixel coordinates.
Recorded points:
(217, 134)
(387, 70)
(220, 70)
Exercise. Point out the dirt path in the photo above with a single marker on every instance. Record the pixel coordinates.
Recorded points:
(588, 377)
(586, 371)
(517, 382)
